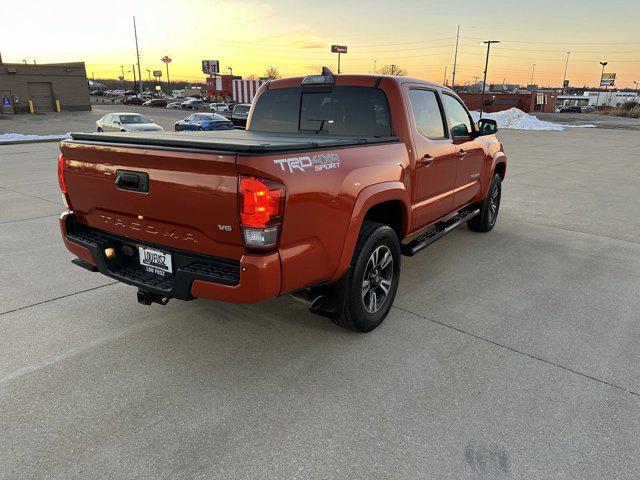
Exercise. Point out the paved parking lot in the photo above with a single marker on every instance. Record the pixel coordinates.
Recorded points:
(512, 354)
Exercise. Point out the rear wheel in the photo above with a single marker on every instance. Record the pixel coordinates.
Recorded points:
(486, 219)
(177, 128)
(99, 129)
(373, 278)
(200, 129)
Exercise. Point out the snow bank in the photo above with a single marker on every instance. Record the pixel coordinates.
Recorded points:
(19, 137)
(516, 119)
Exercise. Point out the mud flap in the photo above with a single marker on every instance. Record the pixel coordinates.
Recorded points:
(328, 300)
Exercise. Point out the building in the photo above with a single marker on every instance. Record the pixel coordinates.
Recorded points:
(543, 102)
(46, 87)
(232, 88)
(611, 98)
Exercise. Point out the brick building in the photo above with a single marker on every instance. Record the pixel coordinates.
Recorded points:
(46, 85)
(536, 101)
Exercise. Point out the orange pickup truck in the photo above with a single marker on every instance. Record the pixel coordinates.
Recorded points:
(333, 180)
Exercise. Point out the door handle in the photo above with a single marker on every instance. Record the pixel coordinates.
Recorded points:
(426, 160)
(462, 153)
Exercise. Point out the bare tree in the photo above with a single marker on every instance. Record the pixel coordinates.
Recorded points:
(393, 70)
(272, 73)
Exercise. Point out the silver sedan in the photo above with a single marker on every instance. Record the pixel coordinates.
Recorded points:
(127, 122)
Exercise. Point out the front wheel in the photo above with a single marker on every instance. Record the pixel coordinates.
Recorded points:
(486, 219)
(373, 278)
(200, 129)
(177, 128)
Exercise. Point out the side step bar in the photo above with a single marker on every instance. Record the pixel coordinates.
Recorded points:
(438, 231)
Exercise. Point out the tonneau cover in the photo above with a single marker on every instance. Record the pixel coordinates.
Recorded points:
(238, 141)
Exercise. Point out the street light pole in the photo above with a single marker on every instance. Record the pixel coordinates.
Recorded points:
(564, 79)
(637, 87)
(486, 67)
(604, 64)
(455, 60)
(135, 32)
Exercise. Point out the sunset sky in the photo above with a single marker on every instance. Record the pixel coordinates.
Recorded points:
(295, 36)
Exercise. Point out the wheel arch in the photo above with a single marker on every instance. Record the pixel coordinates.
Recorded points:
(381, 202)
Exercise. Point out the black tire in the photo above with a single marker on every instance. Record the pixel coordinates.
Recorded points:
(374, 237)
(123, 130)
(200, 129)
(99, 129)
(177, 127)
(489, 208)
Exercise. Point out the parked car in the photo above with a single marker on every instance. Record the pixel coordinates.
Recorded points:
(239, 114)
(204, 121)
(132, 101)
(219, 107)
(127, 122)
(319, 197)
(174, 105)
(192, 104)
(570, 109)
(155, 102)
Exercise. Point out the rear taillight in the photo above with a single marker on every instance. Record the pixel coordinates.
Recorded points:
(63, 185)
(261, 209)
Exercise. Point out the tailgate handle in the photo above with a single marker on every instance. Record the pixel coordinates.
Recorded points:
(136, 181)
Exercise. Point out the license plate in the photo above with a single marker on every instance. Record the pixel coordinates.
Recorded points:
(155, 261)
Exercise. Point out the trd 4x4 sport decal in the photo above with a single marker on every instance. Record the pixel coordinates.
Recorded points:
(323, 161)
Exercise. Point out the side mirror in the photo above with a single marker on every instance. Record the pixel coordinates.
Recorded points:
(186, 119)
(486, 126)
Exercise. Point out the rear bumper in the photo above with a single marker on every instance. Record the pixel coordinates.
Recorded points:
(252, 279)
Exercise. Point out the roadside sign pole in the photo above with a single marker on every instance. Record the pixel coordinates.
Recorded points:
(338, 62)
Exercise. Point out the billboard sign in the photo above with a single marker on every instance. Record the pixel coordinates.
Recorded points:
(212, 67)
(157, 73)
(338, 49)
(608, 80)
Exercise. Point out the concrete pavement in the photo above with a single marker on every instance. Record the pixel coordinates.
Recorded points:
(511, 354)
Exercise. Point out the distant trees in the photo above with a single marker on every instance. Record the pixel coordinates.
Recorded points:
(271, 73)
(393, 70)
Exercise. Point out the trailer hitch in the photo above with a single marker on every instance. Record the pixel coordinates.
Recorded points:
(147, 298)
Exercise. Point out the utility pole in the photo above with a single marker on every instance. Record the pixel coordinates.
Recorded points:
(455, 60)
(533, 70)
(133, 69)
(124, 82)
(0, 58)
(564, 79)
(604, 64)
(635, 81)
(375, 63)
(135, 33)
(486, 67)
(393, 69)
(444, 80)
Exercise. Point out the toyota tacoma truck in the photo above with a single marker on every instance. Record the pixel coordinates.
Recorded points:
(334, 179)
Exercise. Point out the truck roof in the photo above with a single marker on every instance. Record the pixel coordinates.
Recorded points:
(233, 141)
(354, 80)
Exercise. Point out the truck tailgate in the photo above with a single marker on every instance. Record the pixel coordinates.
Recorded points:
(191, 203)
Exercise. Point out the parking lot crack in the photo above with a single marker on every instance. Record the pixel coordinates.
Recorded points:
(520, 352)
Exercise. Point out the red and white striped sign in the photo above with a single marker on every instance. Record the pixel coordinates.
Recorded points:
(243, 91)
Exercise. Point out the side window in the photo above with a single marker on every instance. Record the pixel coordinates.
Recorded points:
(115, 118)
(108, 118)
(192, 117)
(427, 113)
(457, 116)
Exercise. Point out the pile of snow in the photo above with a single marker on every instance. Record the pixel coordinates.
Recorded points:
(516, 119)
(19, 137)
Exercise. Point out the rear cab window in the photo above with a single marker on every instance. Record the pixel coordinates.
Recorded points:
(349, 111)
(427, 113)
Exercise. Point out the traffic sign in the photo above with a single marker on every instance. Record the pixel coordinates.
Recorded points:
(166, 59)
(211, 67)
(157, 73)
(6, 102)
(338, 49)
